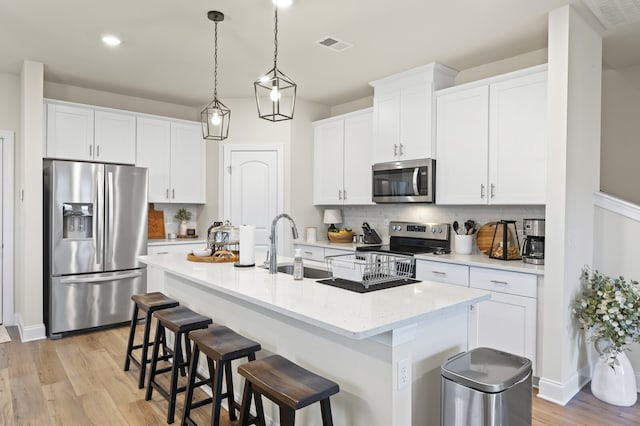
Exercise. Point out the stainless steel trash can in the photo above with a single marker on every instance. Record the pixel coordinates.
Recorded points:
(486, 387)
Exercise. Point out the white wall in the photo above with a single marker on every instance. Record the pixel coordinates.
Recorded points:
(9, 102)
(101, 98)
(616, 253)
(620, 132)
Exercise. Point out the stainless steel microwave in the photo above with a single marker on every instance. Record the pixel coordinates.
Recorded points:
(409, 181)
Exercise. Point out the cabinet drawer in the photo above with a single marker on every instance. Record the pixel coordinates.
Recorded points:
(442, 272)
(503, 281)
(174, 248)
(312, 252)
(335, 252)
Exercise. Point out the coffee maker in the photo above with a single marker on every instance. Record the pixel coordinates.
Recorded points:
(533, 246)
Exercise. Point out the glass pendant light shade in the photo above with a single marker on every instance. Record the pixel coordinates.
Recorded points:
(215, 117)
(275, 92)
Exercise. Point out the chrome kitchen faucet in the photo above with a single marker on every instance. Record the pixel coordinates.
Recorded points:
(272, 257)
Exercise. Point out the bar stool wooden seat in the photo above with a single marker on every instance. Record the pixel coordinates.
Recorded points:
(288, 385)
(222, 345)
(147, 303)
(181, 321)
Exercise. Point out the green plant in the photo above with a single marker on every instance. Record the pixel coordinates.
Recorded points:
(183, 215)
(610, 308)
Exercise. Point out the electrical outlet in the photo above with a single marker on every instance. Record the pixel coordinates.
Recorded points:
(404, 373)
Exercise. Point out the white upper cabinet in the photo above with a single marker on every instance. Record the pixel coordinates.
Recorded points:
(403, 113)
(69, 132)
(154, 152)
(114, 137)
(88, 134)
(175, 154)
(188, 162)
(342, 159)
(491, 140)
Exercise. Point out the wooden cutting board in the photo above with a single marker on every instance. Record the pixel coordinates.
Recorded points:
(155, 223)
(485, 236)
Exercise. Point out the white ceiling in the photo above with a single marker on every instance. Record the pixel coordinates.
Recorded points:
(167, 50)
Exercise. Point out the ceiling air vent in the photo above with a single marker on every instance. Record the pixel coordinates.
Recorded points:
(612, 13)
(334, 44)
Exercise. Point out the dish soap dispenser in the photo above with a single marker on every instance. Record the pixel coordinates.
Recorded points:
(298, 267)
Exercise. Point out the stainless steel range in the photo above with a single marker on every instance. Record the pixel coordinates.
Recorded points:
(415, 238)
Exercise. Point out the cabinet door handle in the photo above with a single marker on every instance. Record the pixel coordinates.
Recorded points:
(438, 273)
(339, 194)
(308, 252)
(401, 152)
(98, 151)
(90, 151)
(493, 190)
(482, 190)
(167, 192)
(162, 252)
(499, 282)
(395, 150)
(344, 194)
(173, 193)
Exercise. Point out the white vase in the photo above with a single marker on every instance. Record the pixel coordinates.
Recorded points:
(182, 229)
(613, 380)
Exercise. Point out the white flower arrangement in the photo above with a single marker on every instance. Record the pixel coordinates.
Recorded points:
(610, 308)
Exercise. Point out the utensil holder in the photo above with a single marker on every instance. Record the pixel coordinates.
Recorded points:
(463, 244)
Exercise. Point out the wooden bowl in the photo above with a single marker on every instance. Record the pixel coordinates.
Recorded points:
(337, 237)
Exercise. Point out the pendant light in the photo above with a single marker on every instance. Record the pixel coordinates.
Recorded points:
(215, 116)
(275, 92)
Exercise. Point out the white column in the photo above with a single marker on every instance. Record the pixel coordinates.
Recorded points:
(28, 214)
(573, 175)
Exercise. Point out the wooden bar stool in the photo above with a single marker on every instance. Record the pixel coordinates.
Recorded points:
(181, 321)
(288, 385)
(222, 345)
(147, 303)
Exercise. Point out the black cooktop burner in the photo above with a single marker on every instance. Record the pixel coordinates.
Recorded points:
(359, 288)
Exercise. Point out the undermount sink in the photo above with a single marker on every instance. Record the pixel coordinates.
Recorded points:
(308, 272)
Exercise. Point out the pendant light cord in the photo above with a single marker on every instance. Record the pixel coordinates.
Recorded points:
(275, 39)
(215, 62)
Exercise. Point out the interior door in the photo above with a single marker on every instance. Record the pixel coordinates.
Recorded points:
(253, 190)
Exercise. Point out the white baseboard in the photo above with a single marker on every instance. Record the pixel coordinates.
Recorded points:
(31, 332)
(561, 393)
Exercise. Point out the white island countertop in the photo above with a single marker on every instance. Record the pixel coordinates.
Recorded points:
(350, 314)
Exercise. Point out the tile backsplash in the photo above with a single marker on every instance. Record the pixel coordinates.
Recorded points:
(170, 223)
(380, 215)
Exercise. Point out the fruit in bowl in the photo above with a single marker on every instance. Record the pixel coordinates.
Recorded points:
(344, 235)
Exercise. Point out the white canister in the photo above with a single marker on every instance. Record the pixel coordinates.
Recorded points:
(312, 234)
(463, 244)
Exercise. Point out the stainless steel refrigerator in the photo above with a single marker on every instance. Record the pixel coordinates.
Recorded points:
(95, 226)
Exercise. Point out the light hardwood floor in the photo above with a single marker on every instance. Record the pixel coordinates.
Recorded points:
(79, 380)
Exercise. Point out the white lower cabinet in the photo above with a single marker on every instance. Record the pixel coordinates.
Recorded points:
(507, 322)
(175, 248)
(318, 253)
(448, 273)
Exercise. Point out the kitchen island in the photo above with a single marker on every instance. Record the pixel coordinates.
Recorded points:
(383, 348)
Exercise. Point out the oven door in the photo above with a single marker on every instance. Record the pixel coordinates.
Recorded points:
(404, 181)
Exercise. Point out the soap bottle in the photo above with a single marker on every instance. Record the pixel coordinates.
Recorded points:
(297, 265)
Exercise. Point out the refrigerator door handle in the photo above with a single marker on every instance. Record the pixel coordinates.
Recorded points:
(89, 280)
(99, 225)
(109, 222)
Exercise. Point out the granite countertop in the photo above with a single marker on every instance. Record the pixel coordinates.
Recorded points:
(354, 315)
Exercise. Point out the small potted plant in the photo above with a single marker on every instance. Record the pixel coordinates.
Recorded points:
(184, 216)
(610, 310)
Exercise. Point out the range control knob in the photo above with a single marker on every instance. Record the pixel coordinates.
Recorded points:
(433, 230)
(439, 230)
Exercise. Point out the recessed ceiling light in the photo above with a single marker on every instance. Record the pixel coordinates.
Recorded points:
(111, 40)
(282, 3)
